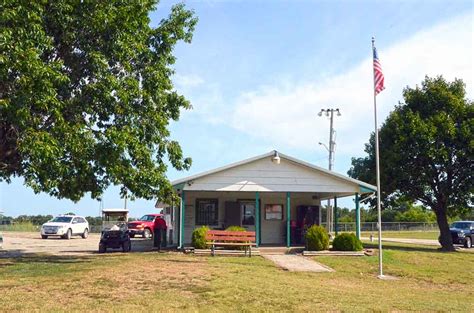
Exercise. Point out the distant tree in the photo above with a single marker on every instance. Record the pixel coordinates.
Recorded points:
(86, 96)
(346, 215)
(427, 152)
(365, 214)
(416, 214)
(94, 220)
(5, 220)
(346, 219)
(33, 219)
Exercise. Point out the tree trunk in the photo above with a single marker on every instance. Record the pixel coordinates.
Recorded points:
(445, 235)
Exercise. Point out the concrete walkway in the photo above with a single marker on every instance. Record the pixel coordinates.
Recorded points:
(296, 263)
(428, 242)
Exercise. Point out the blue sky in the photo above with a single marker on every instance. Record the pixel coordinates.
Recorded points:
(257, 73)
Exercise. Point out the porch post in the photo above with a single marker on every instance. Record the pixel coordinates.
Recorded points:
(257, 219)
(288, 213)
(181, 225)
(335, 215)
(357, 215)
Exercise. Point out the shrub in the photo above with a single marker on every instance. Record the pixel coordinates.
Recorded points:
(235, 228)
(346, 242)
(317, 238)
(199, 237)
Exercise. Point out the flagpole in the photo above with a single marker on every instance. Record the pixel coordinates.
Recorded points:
(377, 165)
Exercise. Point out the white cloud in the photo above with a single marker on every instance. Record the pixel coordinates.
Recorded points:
(206, 98)
(287, 113)
(187, 81)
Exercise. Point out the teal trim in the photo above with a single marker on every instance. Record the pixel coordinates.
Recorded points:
(357, 199)
(335, 216)
(179, 186)
(257, 222)
(183, 206)
(366, 190)
(288, 212)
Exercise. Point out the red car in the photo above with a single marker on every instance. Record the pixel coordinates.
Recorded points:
(143, 226)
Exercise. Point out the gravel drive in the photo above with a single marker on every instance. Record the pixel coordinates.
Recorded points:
(16, 244)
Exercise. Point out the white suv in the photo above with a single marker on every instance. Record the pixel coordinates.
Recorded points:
(66, 226)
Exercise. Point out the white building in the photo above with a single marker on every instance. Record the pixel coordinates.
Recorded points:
(273, 194)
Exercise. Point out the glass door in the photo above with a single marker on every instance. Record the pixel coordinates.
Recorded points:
(248, 214)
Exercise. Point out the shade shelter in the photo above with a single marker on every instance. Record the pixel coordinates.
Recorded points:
(273, 194)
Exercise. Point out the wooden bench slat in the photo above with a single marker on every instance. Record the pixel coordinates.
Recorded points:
(211, 237)
(229, 232)
(230, 235)
(231, 238)
(232, 243)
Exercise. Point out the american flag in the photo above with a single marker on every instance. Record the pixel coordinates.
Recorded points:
(378, 75)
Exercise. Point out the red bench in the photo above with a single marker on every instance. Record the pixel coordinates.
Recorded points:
(244, 239)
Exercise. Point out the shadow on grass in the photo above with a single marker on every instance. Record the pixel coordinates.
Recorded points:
(20, 257)
(194, 261)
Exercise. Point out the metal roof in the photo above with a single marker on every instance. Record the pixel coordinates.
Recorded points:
(115, 210)
(283, 156)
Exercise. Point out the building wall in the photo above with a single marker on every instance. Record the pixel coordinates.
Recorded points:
(266, 176)
(272, 231)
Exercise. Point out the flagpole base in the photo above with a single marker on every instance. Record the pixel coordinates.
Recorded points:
(387, 277)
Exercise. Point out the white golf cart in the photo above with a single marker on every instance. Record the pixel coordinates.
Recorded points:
(115, 234)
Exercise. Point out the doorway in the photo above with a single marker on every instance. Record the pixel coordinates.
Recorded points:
(248, 209)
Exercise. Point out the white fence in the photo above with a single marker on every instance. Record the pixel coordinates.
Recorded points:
(387, 226)
(342, 227)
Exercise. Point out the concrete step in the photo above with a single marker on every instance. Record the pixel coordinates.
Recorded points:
(280, 250)
(334, 253)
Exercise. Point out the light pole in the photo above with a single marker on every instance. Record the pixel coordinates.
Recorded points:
(330, 113)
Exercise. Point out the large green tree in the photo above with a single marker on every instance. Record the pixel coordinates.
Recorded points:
(86, 95)
(427, 151)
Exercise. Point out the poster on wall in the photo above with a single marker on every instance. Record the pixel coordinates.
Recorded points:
(274, 211)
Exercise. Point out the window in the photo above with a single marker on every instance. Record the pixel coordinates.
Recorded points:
(147, 218)
(206, 212)
(248, 212)
(62, 219)
(461, 225)
(273, 211)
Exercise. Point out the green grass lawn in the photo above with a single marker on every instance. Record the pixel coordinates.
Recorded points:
(405, 234)
(429, 281)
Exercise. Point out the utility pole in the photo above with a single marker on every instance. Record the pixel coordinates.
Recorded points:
(125, 196)
(332, 143)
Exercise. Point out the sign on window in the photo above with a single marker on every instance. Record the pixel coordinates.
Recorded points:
(273, 211)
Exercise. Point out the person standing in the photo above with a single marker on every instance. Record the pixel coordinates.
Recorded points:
(159, 228)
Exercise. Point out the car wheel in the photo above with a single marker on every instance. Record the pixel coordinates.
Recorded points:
(85, 234)
(468, 243)
(44, 237)
(126, 246)
(68, 234)
(147, 234)
(102, 248)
